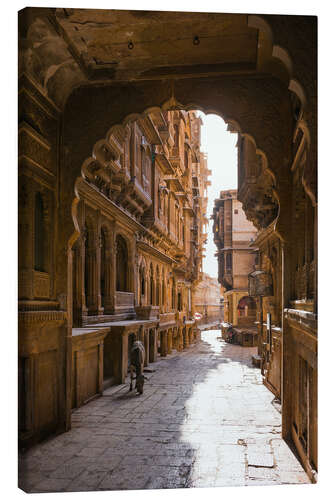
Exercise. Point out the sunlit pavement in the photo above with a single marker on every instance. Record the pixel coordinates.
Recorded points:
(204, 420)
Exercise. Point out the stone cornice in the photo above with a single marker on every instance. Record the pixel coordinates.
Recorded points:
(36, 92)
(38, 305)
(154, 251)
(88, 335)
(30, 168)
(132, 326)
(302, 320)
(27, 318)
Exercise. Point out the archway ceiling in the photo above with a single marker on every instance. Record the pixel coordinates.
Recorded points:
(162, 43)
(68, 50)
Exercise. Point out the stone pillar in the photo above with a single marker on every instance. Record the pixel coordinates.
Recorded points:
(100, 366)
(164, 343)
(155, 343)
(79, 297)
(169, 341)
(146, 344)
(180, 339)
(235, 299)
(113, 271)
(133, 272)
(158, 293)
(288, 355)
(93, 277)
(108, 298)
(100, 309)
(315, 248)
(174, 339)
(141, 335)
(185, 336)
(152, 346)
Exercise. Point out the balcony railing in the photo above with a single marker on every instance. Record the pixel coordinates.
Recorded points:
(167, 318)
(124, 302)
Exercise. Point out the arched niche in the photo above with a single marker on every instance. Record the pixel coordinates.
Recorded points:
(142, 288)
(122, 264)
(246, 307)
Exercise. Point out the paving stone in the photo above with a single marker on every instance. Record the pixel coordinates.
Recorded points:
(51, 485)
(262, 473)
(287, 477)
(29, 479)
(210, 424)
(90, 452)
(89, 480)
(261, 460)
(67, 471)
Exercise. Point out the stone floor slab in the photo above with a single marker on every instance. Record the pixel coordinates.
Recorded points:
(205, 420)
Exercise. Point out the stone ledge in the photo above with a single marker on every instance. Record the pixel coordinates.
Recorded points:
(304, 320)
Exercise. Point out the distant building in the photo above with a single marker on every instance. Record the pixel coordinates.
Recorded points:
(233, 234)
(207, 299)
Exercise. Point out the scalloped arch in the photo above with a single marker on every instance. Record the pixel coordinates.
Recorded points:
(172, 104)
(280, 53)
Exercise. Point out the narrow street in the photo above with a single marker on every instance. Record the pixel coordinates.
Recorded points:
(204, 420)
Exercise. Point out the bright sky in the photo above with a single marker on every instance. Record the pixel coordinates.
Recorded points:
(220, 147)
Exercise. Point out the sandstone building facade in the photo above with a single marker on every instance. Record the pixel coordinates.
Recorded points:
(291, 332)
(80, 91)
(233, 235)
(136, 255)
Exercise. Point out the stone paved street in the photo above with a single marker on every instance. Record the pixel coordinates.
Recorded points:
(204, 420)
